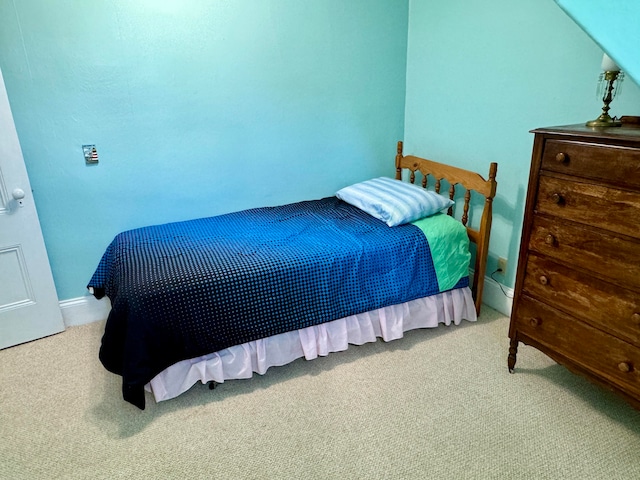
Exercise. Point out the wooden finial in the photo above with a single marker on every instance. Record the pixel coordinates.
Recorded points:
(493, 170)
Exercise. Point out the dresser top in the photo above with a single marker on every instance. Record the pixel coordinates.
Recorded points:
(628, 132)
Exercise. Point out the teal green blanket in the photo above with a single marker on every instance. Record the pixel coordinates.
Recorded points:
(449, 244)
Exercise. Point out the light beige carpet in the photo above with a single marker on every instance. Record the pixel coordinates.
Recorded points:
(436, 404)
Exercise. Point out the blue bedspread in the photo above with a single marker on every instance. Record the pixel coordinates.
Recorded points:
(186, 289)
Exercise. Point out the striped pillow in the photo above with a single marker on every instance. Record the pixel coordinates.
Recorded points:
(393, 201)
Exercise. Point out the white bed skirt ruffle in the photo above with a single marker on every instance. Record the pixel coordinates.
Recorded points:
(240, 361)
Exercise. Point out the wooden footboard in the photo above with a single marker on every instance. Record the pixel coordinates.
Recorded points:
(468, 181)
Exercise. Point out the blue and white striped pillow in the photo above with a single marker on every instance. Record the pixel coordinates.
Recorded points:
(393, 201)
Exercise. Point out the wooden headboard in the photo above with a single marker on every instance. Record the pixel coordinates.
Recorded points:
(469, 181)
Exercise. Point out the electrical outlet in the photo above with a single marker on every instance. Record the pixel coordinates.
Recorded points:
(502, 265)
(90, 154)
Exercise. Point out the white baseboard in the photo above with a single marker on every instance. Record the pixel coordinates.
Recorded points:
(497, 296)
(81, 310)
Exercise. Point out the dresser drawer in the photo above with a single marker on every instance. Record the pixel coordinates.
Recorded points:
(614, 258)
(611, 359)
(614, 164)
(596, 205)
(602, 304)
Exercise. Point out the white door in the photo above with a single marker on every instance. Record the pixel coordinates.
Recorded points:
(29, 307)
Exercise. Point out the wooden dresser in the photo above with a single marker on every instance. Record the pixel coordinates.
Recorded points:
(577, 292)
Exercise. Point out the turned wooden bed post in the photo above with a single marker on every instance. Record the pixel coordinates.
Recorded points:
(470, 181)
(398, 161)
(482, 251)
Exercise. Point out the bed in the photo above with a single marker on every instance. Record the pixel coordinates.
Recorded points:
(225, 297)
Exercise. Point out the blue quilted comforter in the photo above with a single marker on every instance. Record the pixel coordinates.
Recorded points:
(186, 289)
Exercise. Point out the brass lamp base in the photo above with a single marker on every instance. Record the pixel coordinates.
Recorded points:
(604, 120)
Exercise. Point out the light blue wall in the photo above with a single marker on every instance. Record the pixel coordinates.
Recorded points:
(197, 107)
(200, 107)
(615, 26)
(481, 74)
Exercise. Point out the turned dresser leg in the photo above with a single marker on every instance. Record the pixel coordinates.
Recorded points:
(513, 350)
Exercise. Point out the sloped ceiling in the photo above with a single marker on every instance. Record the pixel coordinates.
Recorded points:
(614, 25)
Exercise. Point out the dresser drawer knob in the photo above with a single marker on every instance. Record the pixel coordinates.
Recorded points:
(635, 318)
(624, 367)
(550, 240)
(561, 157)
(544, 280)
(557, 198)
(535, 322)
